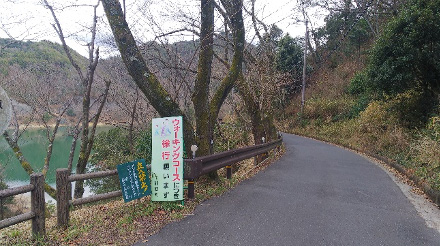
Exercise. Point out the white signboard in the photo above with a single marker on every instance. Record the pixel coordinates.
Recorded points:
(167, 159)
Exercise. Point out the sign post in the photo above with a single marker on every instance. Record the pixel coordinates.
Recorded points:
(167, 159)
(134, 180)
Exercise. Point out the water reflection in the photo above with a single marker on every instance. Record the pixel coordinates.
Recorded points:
(34, 144)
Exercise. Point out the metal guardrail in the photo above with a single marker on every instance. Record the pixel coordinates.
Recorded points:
(36, 187)
(194, 168)
(199, 166)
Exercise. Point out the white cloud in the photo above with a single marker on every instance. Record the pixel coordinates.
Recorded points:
(28, 19)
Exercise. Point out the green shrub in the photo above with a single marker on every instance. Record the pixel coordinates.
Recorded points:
(403, 65)
(407, 53)
(70, 112)
(47, 117)
(171, 206)
(433, 128)
(230, 134)
(379, 130)
(411, 108)
(425, 153)
(112, 148)
(360, 105)
(5, 201)
(50, 209)
(143, 145)
(358, 84)
(376, 118)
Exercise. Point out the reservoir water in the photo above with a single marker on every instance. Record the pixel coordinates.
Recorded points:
(33, 144)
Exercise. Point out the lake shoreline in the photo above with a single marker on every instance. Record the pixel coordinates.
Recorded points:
(33, 144)
(39, 126)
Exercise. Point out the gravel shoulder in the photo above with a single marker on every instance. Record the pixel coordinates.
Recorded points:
(428, 210)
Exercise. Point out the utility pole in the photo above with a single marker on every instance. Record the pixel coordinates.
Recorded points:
(303, 88)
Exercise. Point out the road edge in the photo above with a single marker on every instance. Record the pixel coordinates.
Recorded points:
(425, 200)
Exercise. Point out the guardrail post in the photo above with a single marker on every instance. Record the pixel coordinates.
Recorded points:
(191, 188)
(228, 172)
(38, 205)
(63, 197)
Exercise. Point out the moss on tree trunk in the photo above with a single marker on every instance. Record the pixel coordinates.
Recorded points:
(26, 165)
(138, 70)
(200, 97)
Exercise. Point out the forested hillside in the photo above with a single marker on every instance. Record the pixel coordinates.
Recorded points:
(372, 80)
(27, 65)
(28, 54)
(368, 78)
(377, 90)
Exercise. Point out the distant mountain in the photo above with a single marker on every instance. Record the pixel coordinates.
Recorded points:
(27, 66)
(28, 54)
(37, 73)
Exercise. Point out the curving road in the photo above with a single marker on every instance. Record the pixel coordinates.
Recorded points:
(316, 194)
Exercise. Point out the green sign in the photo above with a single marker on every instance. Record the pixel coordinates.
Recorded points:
(167, 159)
(134, 180)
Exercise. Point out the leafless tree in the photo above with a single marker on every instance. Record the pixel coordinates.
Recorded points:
(50, 102)
(47, 104)
(87, 79)
(126, 105)
(160, 99)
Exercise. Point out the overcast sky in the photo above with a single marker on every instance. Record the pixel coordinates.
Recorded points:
(28, 19)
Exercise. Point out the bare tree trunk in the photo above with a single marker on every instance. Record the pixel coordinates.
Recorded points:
(131, 127)
(226, 57)
(87, 138)
(84, 155)
(235, 16)
(51, 139)
(25, 164)
(346, 13)
(159, 98)
(75, 136)
(262, 124)
(200, 98)
(147, 82)
(253, 110)
(303, 87)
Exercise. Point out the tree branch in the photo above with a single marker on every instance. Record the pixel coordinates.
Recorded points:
(25, 163)
(59, 31)
(137, 68)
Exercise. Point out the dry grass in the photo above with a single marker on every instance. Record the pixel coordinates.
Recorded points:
(330, 83)
(382, 128)
(119, 223)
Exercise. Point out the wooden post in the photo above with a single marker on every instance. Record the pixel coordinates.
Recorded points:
(63, 192)
(190, 188)
(1, 209)
(38, 205)
(228, 172)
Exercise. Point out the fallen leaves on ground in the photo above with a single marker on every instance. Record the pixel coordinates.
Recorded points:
(117, 223)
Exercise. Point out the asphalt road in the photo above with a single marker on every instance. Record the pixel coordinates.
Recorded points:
(316, 194)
